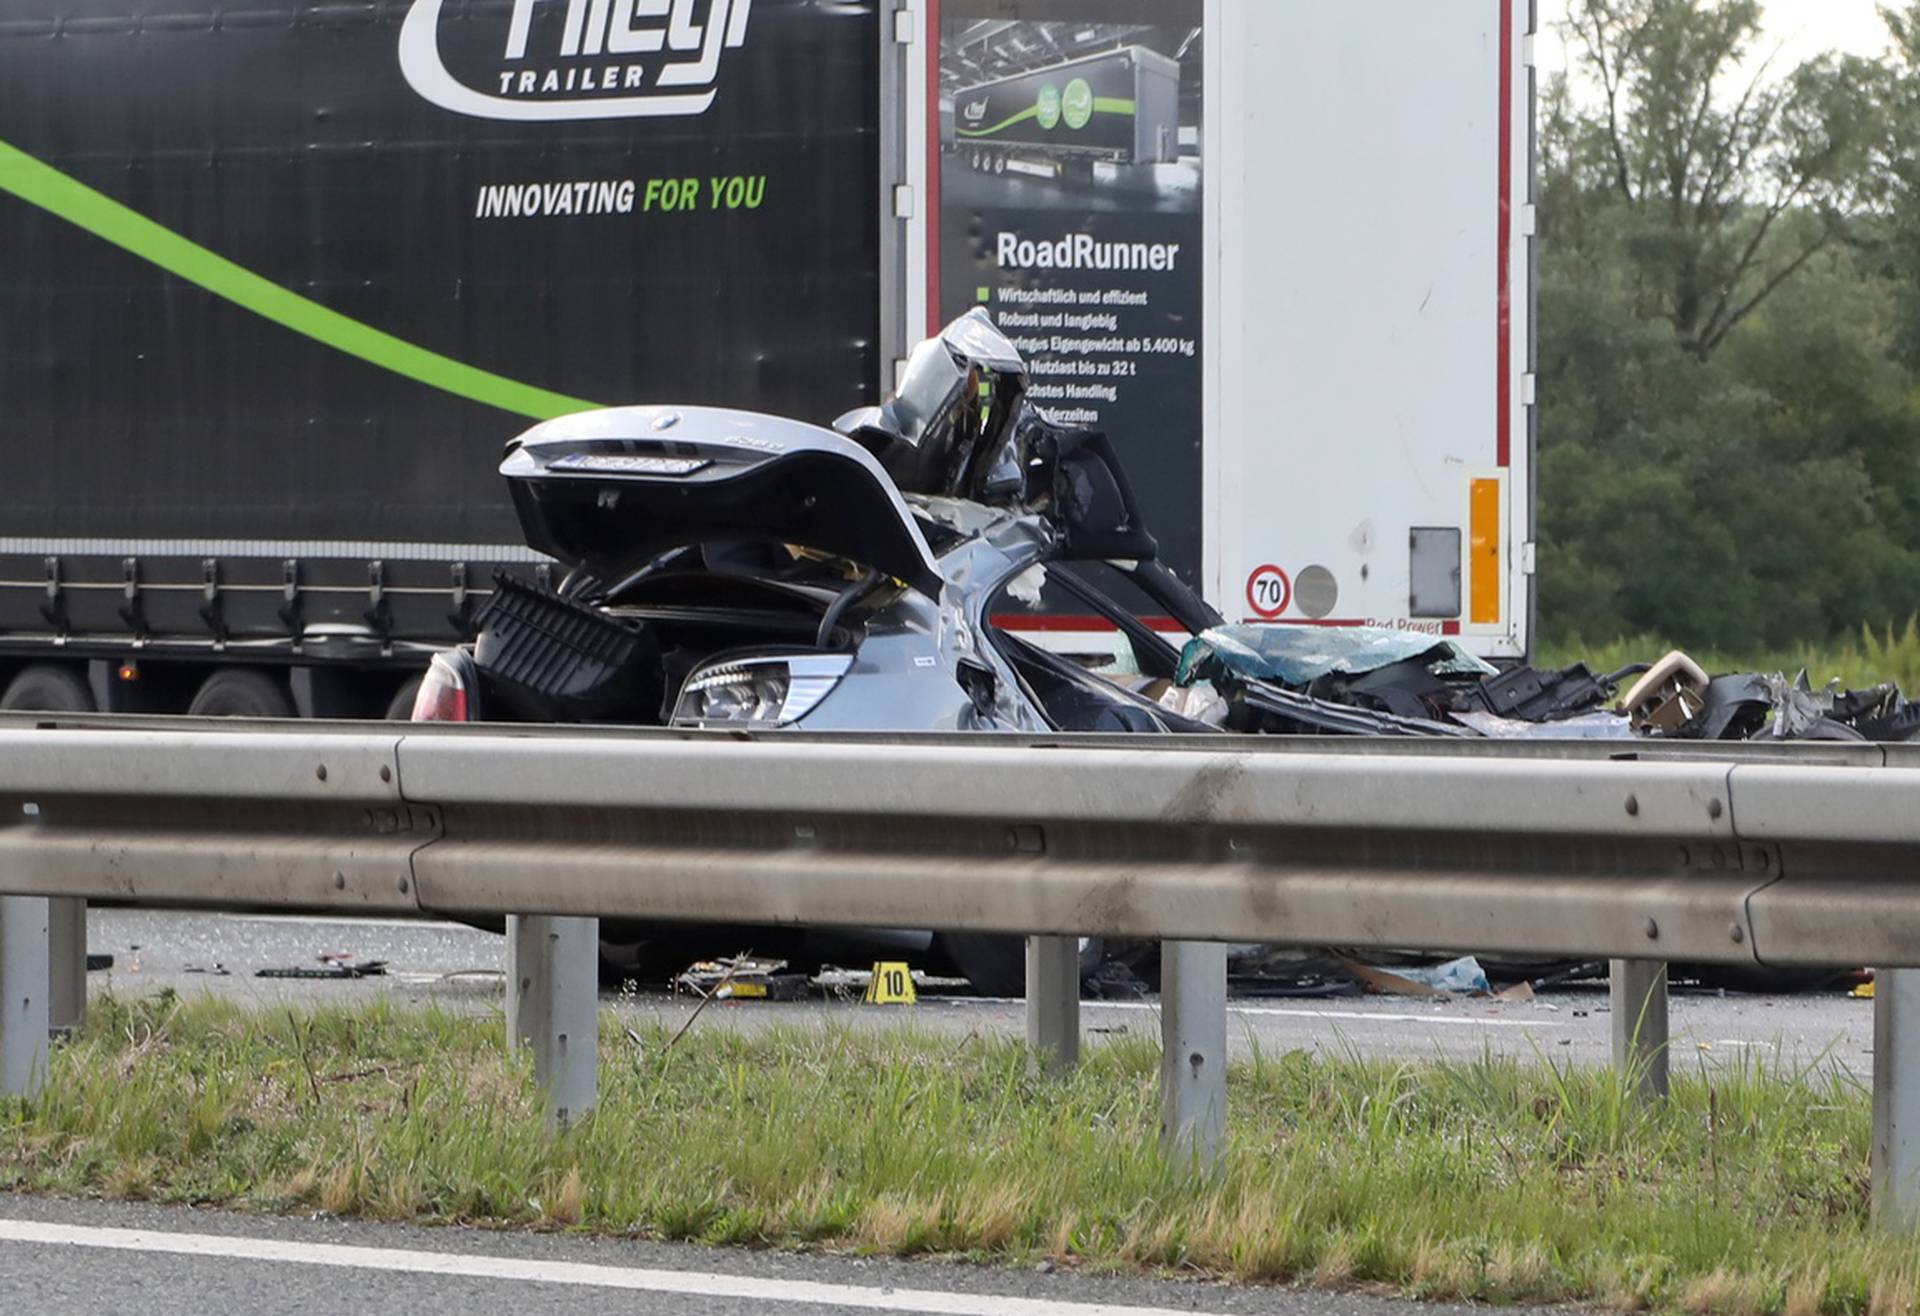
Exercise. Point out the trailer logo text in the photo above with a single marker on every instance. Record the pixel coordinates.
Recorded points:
(577, 59)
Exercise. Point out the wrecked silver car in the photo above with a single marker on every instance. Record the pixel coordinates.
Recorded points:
(740, 570)
(729, 569)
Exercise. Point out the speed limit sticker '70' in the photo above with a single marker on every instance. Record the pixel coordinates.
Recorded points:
(1269, 591)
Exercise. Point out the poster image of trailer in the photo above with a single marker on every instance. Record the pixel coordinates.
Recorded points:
(1047, 115)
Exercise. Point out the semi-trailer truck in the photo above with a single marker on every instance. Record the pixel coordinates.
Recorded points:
(1122, 106)
(277, 281)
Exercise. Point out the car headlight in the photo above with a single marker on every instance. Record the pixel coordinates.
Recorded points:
(768, 692)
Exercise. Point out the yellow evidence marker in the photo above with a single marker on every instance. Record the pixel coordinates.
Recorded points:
(891, 984)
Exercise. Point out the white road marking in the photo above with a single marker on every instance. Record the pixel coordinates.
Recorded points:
(432, 925)
(686, 1283)
(1337, 1016)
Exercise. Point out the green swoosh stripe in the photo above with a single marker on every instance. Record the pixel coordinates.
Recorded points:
(1101, 105)
(1031, 112)
(44, 186)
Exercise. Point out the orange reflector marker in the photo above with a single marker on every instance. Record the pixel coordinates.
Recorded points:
(1483, 552)
(129, 672)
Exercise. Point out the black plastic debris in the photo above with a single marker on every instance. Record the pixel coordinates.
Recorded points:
(552, 659)
(331, 967)
(743, 978)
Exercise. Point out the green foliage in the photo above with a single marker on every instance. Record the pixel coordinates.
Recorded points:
(1730, 415)
(1487, 1180)
(1858, 661)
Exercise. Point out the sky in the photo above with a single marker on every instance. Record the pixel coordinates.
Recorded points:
(1797, 29)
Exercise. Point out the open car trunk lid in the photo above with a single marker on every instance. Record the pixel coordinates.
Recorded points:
(618, 486)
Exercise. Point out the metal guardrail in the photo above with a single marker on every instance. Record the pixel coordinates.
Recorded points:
(1866, 754)
(1752, 854)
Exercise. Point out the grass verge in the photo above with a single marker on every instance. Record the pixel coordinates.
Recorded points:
(1858, 662)
(1487, 1180)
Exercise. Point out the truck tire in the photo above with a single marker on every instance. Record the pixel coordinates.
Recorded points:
(45, 688)
(996, 963)
(241, 692)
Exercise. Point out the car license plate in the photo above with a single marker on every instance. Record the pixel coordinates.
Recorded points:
(619, 464)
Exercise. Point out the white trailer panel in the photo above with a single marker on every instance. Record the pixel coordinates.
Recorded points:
(1369, 312)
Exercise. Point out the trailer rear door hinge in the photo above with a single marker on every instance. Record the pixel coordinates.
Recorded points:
(903, 27)
(1526, 558)
(1529, 218)
(903, 201)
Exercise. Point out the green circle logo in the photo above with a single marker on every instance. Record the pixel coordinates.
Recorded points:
(1076, 106)
(1049, 107)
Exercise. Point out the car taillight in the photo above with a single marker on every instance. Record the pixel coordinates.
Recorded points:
(443, 694)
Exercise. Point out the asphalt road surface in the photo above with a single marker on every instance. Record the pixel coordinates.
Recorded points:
(59, 1257)
(461, 968)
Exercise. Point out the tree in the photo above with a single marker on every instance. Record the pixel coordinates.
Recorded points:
(1901, 170)
(1711, 167)
(1728, 431)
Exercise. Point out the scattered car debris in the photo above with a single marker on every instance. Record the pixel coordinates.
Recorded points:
(1288, 973)
(852, 984)
(1585, 970)
(1668, 696)
(741, 978)
(333, 966)
(1282, 679)
(1114, 981)
(1457, 977)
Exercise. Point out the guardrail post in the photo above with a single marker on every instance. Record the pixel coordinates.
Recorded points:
(1637, 993)
(1896, 1099)
(1053, 1002)
(23, 995)
(1193, 1049)
(553, 1006)
(67, 962)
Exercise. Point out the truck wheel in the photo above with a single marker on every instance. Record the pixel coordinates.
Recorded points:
(44, 688)
(996, 964)
(401, 709)
(999, 164)
(241, 692)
